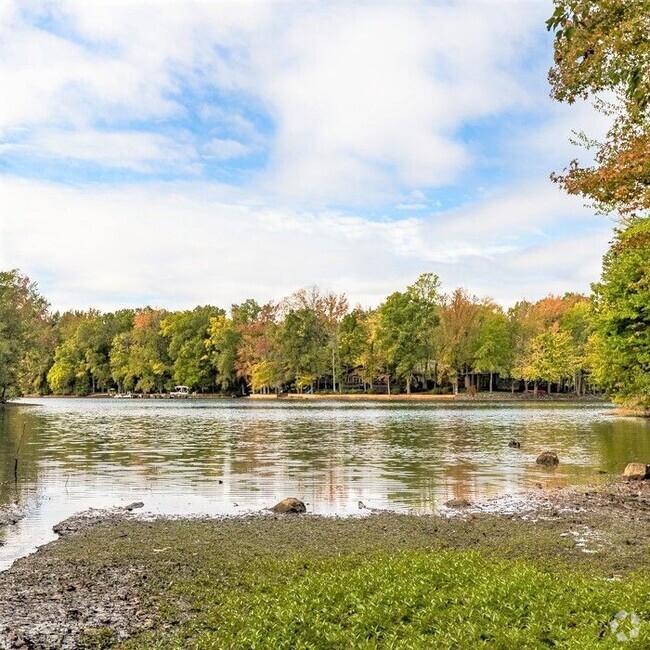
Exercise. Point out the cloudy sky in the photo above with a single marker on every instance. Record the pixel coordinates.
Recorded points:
(175, 154)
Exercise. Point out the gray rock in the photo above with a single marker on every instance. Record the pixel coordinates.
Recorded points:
(289, 505)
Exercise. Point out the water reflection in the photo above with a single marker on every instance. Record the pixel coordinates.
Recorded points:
(235, 456)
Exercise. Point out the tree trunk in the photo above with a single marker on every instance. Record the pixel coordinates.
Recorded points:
(388, 382)
(491, 382)
(333, 372)
(408, 385)
(535, 388)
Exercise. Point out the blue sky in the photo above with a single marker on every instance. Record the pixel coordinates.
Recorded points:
(174, 153)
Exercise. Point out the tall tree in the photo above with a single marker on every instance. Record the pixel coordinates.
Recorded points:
(23, 313)
(493, 349)
(334, 308)
(603, 46)
(186, 333)
(459, 325)
(622, 327)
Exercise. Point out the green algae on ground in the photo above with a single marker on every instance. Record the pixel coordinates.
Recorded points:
(555, 578)
(410, 599)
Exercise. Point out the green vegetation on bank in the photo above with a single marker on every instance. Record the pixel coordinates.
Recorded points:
(380, 581)
(410, 599)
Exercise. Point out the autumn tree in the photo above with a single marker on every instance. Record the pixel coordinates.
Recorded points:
(602, 47)
(258, 361)
(459, 328)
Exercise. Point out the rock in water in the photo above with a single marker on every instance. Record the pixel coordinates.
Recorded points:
(134, 505)
(548, 459)
(458, 503)
(289, 505)
(514, 444)
(636, 471)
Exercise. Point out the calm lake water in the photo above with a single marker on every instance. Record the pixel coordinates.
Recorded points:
(233, 457)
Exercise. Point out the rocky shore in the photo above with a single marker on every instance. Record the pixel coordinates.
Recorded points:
(109, 577)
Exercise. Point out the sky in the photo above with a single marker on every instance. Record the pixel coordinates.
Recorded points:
(177, 153)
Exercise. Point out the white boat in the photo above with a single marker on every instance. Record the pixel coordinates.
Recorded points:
(128, 395)
(180, 392)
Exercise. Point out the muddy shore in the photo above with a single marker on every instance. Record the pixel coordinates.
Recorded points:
(109, 576)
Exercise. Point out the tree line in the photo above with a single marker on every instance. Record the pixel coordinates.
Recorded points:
(418, 339)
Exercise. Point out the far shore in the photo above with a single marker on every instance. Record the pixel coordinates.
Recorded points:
(504, 396)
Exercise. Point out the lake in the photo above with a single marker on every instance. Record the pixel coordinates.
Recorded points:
(235, 456)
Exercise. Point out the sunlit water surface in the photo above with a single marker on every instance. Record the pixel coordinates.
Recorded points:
(234, 456)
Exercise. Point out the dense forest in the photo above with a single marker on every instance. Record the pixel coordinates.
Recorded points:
(419, 339)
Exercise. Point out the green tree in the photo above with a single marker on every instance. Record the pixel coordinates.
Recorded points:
(552, 357)
(405, 330)
(622, 326)
(187, 333)
(139, 359)
(23, 315)
(493, 345)
(425, 291)
(577, 321)
(357, 346)
(222, 343)
(81, 362)
(397, 331)
(304, 349)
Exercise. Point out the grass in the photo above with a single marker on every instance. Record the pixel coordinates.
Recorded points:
(386, 581)
(410, 599)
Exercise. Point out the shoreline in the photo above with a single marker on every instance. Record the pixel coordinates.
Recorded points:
(108, 575)
(505, 397)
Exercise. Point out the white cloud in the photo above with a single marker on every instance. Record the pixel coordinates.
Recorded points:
(181, 245)
(365, 103)
(224, 149)
(136, 151)
(366, 98)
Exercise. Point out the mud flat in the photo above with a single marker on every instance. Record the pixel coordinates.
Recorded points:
(115, 578)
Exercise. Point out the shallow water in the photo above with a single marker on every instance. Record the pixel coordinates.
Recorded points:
(234, 456)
